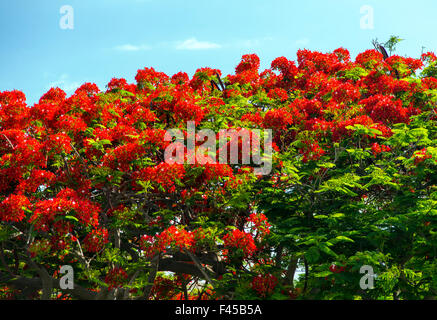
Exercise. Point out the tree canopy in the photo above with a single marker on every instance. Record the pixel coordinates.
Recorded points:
(84, 182)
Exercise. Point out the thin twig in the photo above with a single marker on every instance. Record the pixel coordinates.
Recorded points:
(198, 265)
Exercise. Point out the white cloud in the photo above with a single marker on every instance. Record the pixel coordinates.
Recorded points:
(252, 43)
(302, 42)
(131, 47)
(194, 44)
(65, 84)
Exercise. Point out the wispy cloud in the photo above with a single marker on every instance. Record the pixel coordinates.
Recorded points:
(131, 47)
(194, 44)
(252, 43)
(302, 42)
(65, 84)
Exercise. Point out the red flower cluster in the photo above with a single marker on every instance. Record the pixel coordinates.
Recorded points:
(287, 69)
(256, 118)
(163, 288)
(278, 119)
(116, 278)
(259, 223)
(163, 175)
(175, 237)
(386, 110)
(36, 179)
(336, 269)
(264, 284)
(14, 113)
(312, 151)
(147, 244)
(67, 202)
(213, 172)
(246, 71)
(421, 155)
(95, 240)
(120, 83)
(121, 157)
(377, 148)
(240, 240)
(12, 208)
(18, 152)
(170, 238)
(278, 93)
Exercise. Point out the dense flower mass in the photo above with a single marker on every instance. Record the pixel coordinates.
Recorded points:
(376, 148)
(84, 181)
(166, 240)
(12, 208)
(240, 240)
(116, 278)
(95, 240)
(264, 284)
(259, 224)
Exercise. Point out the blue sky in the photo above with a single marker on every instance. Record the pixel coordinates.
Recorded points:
(115, 38)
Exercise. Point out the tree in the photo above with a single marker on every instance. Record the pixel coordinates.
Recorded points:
(84, 182)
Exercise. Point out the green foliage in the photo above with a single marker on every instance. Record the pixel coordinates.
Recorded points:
(362, 211)
(391, 43)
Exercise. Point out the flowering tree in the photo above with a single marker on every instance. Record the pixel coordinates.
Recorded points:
(84, 183)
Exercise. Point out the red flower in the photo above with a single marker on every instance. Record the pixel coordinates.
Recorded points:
(240, 240)
(172, 237)
(55, 95)
(260, 223)
(149, 79)
(12, 208)
(249, 62)
(116, 278)
(311, 151)
(264, 284)
(336, 269)
(429, 57)
(163, 175)
(14, 113)
(376, 148)
(278, 119)
(117, 84)
(421, 155)
(95, 240)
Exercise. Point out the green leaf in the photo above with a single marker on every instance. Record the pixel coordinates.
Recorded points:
(340, 239)
(312, 254)
(324, 248)
(323, 274)
(72, 218)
